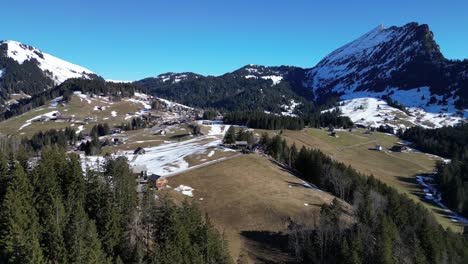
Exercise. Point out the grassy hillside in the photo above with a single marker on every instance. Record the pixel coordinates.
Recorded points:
(251, 198)
(79, 107)
(355, 148)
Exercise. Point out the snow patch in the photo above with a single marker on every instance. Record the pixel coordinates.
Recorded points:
(274, 78)
(185, 190)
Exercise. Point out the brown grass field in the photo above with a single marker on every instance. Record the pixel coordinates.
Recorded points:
(250, 199)
(396, 169)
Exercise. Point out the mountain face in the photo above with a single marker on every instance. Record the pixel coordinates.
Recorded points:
(252, 87)
(403, 64)
(388, 60)
(25, 69)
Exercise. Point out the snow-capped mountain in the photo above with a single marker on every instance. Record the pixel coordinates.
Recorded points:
(400, 58)
(401, 63)
(56, 69)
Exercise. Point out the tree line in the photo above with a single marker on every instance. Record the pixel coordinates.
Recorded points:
(54, 212)
(387, 227)
(452, 177)
(95, 86)
(263, 120)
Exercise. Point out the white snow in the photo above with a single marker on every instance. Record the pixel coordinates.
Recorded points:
(28, 122)
(433, 195)
(2, 71)
(114, 113)
(82, 96)
(118, 81)
(169, 158)
(80, 128)
(217, 127)
(289, 109)
(211, 153)
(173, 104)
(58, 69)
(341, 63)
(370, 111)
(185, 190)
(274, 78)
(144, 103)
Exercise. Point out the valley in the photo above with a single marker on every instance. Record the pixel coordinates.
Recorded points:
(261, 164)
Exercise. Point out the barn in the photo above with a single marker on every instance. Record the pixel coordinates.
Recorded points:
(159, 182)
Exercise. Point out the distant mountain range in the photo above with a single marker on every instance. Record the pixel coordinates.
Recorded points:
(401, 63)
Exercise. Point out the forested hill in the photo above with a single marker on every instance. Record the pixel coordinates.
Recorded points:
(27, 70)
(452, 177)
(252, 87)
(66, 89)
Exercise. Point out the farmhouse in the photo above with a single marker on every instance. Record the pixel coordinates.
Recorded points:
(140, 170)
(241, 144)
(158, 182)
(64, 118)
(90, 120)
(399, 148)
(139, 151)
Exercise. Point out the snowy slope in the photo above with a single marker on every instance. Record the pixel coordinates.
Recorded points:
(402, 63)
(374, 112)
(57, 69)
(374, 56)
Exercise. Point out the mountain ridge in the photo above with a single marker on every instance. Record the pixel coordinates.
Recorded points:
(382, 63)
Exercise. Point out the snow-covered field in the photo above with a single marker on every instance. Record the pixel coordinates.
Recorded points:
(170, 157)
(370, 111)
(46, 115)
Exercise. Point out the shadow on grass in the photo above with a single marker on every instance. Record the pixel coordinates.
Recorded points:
(268, 247)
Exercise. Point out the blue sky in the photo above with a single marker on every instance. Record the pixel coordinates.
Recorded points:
(129, 40)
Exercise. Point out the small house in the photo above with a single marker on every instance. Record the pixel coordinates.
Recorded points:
(139, 151)
(158, 182)
(241, 144)
(64, 118)
(378, 147)
(90, 120)
(139, 170)
(399, 148)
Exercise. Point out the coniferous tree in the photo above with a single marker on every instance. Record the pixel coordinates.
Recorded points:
(19, 230)
(230, 136)
(48, 203)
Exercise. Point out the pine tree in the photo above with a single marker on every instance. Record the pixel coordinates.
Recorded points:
(230, 137)
(19, 235)
(4, 176)
(93, 251)
(48, 203)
